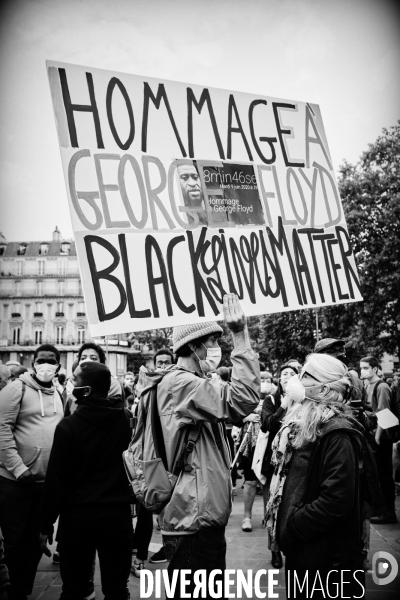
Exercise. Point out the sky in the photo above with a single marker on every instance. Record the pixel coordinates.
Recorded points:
(342, 55)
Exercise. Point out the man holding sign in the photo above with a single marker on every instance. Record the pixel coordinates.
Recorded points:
(194, 521)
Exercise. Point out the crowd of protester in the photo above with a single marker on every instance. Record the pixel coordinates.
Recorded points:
(304, 436)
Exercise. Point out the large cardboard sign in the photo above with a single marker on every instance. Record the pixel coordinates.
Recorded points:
(180, 193)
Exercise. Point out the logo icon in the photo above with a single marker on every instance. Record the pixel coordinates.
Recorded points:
(384, 568)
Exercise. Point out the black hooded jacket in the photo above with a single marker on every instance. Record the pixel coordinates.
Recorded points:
(322, 529)
(85, 470)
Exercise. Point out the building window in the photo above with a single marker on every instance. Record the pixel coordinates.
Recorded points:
(61, 288)
(60, 309)
(65, 248)
(81, 309)
(38, 336)
(16, 335)
(63, 267)
(41, 267)
(16, 310)
(60, 335)
(44, 249)
(17, 288)
(120, 363)
(81, 335)
(39, 288)
(20, 266)
(22, 249)
(38, 310)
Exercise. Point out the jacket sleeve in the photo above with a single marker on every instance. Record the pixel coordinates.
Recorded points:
(197, 399)
(115, 394)
(10, 404)
(271, 418)
(337, 484)
(58, 476)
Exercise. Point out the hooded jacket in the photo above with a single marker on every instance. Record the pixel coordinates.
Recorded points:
(27, 427)
(202, 496)
(114, 395)
(85, 470)
(320, 517)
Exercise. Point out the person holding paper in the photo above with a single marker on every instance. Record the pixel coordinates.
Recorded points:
(378, 393)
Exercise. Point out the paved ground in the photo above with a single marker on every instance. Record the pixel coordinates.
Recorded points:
(245, 551)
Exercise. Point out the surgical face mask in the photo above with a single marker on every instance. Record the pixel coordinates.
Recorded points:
(212, 360)
(265, 387)
(45, 372)
(295, 389)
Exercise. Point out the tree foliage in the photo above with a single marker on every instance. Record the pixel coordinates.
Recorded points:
(370, 192)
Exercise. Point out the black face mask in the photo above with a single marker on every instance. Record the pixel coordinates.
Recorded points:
(82, 392)
(343, 359)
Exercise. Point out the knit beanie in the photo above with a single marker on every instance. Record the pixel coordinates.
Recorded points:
(183, 334)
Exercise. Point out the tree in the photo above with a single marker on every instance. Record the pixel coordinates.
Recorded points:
(370, 192)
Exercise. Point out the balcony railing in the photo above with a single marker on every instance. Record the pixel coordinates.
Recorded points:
(59, 314)
(38, 314)
(15, 314)
(81, 314)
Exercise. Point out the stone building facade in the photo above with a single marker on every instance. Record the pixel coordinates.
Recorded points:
(41, 301)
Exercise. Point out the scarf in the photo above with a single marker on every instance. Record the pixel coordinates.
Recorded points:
(282, 451)
(252, 429)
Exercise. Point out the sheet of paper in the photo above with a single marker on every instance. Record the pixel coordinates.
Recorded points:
(387, 419)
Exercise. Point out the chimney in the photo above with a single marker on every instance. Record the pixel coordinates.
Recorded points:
(56, 235)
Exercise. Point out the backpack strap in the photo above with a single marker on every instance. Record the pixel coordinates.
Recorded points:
(182, 464)
(375, 393)
(23, 388)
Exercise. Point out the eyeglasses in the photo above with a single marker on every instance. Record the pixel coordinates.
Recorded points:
(308, 375)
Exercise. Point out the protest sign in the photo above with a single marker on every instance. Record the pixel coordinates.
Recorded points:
(179, 194)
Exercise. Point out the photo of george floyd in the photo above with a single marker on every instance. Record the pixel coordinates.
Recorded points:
(199, 299)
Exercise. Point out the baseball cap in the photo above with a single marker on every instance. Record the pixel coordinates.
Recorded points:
(327, 343)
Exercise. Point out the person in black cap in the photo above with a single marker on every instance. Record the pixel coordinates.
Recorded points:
(86, 485)
(333, 347)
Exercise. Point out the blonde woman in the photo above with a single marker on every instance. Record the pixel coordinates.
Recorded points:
(314, 507)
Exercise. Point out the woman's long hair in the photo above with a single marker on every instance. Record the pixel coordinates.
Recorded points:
(306, 419)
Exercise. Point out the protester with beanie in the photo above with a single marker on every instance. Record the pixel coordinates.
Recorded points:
(314, 508)
(86, 485)
(193, 522)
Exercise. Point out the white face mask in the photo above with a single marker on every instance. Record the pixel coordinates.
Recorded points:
(45, 372)
(212, 360)
(295, 389)
(265, 387)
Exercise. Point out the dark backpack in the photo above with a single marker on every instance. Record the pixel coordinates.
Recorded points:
(145, 459)
(393, 407)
